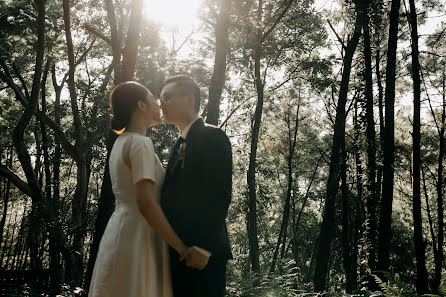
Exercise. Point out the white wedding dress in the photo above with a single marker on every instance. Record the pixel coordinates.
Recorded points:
(132, 260)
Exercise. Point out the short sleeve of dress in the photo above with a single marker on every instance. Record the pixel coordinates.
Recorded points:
(142, 158)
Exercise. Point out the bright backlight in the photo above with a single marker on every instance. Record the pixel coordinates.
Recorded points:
(173, 14)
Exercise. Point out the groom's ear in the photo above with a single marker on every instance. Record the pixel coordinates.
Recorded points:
(142, 105)
(191, 100)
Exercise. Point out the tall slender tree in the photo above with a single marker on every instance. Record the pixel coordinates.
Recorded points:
(385, 215)
(123, 71)
(293, 127)
(435, 65)
(438, 250)
(221, 50)
(78, 203)
(261, 35)
(421, 284)
(328, 221)
(372, 193)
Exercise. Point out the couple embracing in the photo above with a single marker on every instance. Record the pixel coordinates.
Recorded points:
(167, 236)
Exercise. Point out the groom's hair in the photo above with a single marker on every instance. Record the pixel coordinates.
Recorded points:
(188, 87)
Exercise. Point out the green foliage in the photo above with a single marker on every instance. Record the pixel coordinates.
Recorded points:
(27, 291)
(280, 284)
(394, 286)
(300, 67)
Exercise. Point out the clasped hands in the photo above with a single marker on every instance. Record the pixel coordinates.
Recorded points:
(195, 257)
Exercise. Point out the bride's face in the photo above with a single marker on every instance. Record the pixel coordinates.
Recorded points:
(153, 113)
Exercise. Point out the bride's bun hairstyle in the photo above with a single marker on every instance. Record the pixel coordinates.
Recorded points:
(123, 101)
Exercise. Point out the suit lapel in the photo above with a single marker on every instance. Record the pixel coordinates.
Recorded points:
(194, 131)
(172, 158)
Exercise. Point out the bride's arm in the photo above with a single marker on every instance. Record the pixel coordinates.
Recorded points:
(145, 195)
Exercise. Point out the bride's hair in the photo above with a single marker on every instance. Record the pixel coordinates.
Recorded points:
(123, 101)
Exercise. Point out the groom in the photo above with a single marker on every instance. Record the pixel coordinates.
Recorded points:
(197, 191)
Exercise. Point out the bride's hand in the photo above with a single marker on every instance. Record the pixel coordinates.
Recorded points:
(196, 257)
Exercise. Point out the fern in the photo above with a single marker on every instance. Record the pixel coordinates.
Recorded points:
(394, 286)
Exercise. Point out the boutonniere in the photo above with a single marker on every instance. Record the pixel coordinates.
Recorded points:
(182, 153)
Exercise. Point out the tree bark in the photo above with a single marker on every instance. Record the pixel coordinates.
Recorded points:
(115, 40)
(347, 226)
(18, 251)
(328, 221)
(130, 51)
(377, 23)
(6, 193)
(19, 142)
(372, 193)
(219, 74)
(122, 72)
(54, 265)
(11, 244)
(251, 178)
(54, 251)
(385, 217)
(78, 205)
(422, 282)
(438, 250)
(292, 140)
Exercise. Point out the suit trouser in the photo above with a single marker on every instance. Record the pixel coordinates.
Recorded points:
(190, 282)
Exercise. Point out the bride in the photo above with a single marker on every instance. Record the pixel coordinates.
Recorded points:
(132, 260)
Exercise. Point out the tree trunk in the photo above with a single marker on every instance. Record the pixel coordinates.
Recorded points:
(115, 40)
(372, 193)
(251, 178)
(385, 218)
(377, 22)
(347, 226)
(122, 72)
(54, 244)
(78, 206)
(292, 140)
(18, 251)
(328, 221)
(219, 74)
(438, 250)
(19, 142)
(130, 51)
(5, 244)
(357, 203)
(11, 244)
(6, 193)
(422, 282)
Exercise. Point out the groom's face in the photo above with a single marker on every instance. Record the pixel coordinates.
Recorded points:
(175, 103)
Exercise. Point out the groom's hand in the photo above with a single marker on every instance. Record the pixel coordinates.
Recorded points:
(196, 257)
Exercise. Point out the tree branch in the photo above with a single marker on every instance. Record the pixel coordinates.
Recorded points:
(20, 77)
(234, 110)
(6, 77)
(68, 147)
(175, 51)
(337, 35)
(278, 19)
(44, 118)
(17, 181)
(95, 32)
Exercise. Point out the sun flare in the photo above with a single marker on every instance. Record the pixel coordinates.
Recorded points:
(173, 14)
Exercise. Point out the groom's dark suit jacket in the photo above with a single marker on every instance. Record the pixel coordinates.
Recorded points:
(197, 189)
